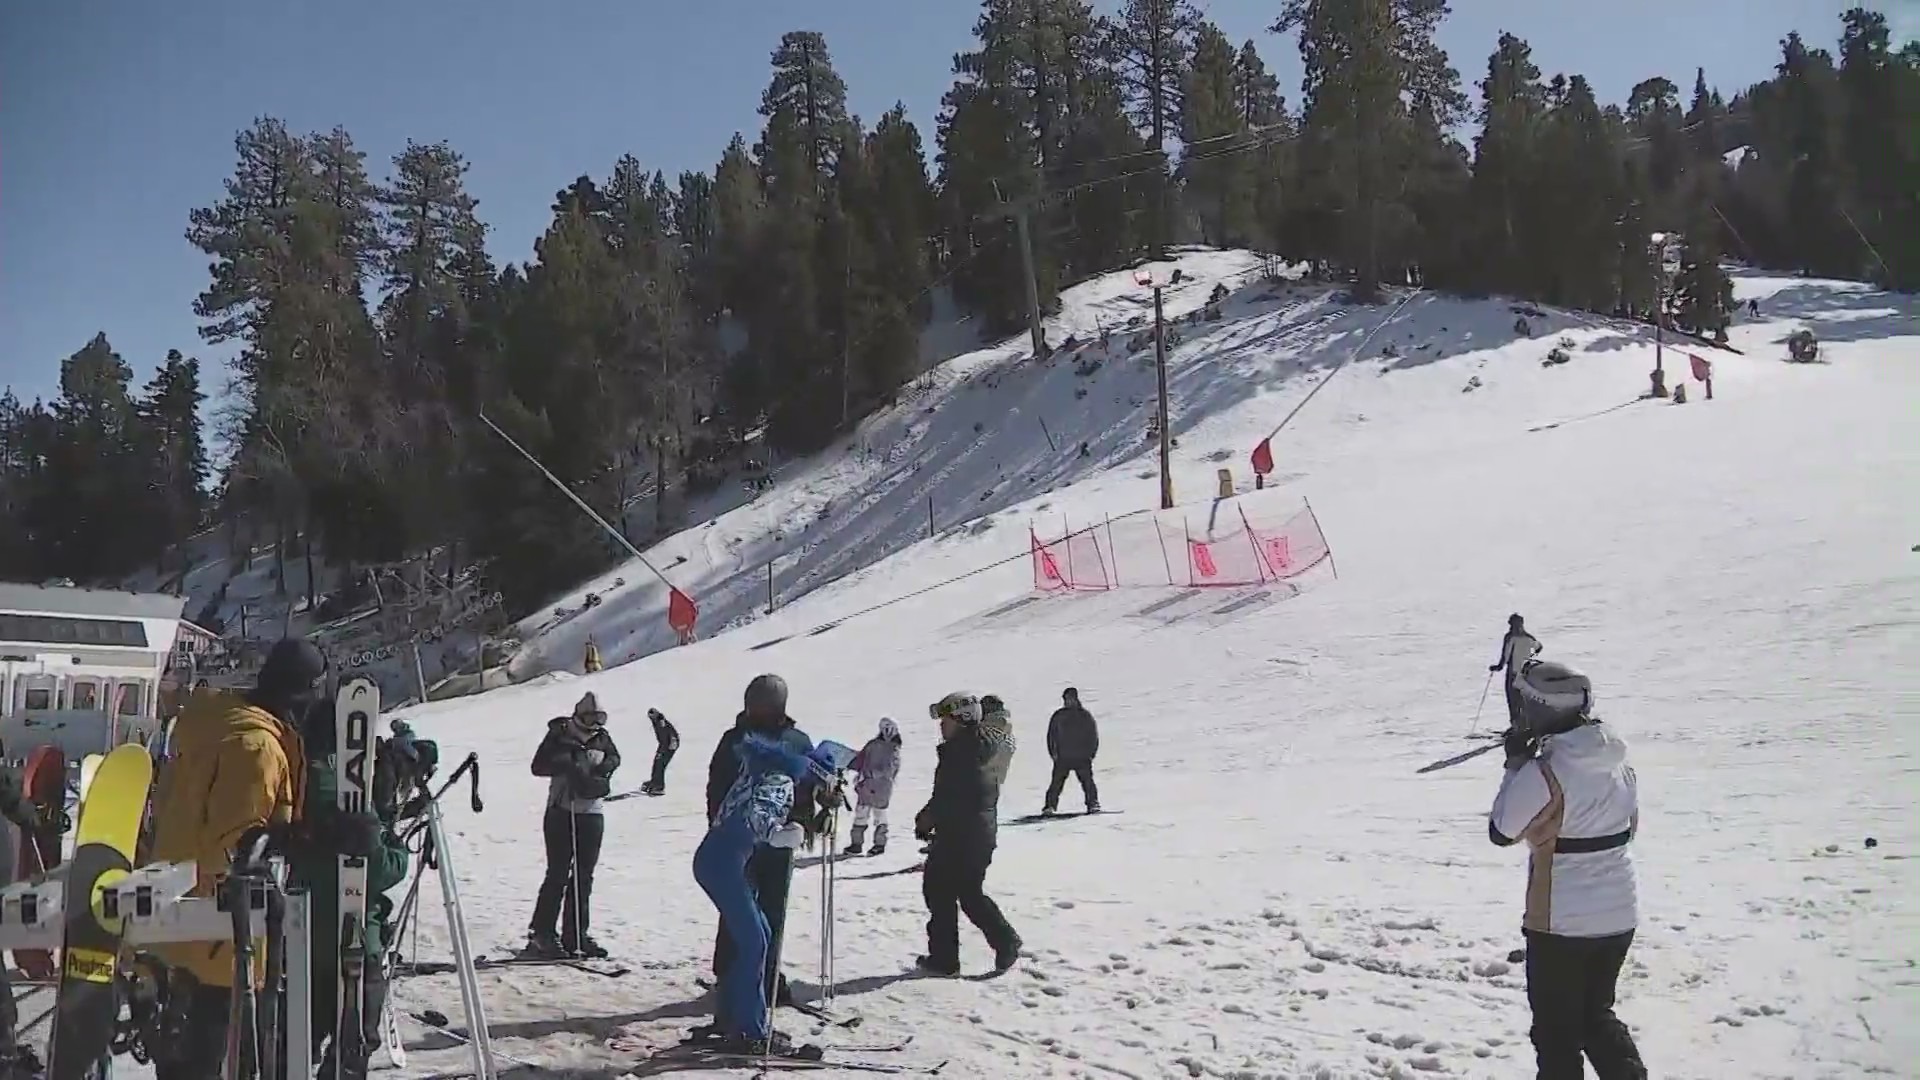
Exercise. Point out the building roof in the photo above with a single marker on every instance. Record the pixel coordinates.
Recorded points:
(98, 603)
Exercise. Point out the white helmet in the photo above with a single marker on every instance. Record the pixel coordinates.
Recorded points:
(1553, 697)
(889, 729)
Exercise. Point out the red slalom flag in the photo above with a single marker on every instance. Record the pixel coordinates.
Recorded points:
(1263, 457)
(682, 613)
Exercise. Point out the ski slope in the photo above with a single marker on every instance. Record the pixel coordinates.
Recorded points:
(1281, 895)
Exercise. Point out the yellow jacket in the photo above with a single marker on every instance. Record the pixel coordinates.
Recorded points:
(592, 663)
(234, 766)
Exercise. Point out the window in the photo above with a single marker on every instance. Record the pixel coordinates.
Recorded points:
(131, 695)
(86, 695)
(62, 630)
(39, 697)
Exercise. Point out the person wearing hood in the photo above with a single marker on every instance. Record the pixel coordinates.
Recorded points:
(961, 823)
(1517, 647)
(996, 730)
(666, 744)
(753, 816)
(878, 764)
(239, 764)
(578, 757)
(1570, 796)
(769, 869)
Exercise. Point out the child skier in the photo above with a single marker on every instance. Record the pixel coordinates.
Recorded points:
(878, 763)
(1570, 795)
(668, 740)
(753, 813)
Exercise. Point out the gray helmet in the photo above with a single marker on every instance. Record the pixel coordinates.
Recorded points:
(1553, 698)
(766, 694)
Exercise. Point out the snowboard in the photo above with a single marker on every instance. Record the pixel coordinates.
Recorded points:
(87, 1005)
(44, 781)
(89, 768)
(1032, 819)
(355, 710)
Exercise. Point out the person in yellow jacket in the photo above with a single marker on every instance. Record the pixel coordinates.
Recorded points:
(237, 764)
(592, 661)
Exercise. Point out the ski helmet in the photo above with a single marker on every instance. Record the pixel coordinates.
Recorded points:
(889, 729)
(1553, 698)
(991, 703)
(959, 705)
(766, 694)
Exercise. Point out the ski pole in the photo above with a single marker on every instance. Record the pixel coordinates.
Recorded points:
(1483, 704)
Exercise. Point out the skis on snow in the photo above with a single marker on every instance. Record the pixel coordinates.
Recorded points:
(355, 710)
(1494, 743)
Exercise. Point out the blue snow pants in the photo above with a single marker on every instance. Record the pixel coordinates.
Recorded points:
(720, 866)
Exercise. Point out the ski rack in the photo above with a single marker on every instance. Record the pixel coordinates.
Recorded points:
(153, 902)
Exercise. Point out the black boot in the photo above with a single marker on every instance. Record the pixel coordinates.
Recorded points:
(879, 840)
(859, 843)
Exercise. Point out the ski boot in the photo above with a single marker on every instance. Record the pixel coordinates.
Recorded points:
(859, 841)
(543, 945)
(936, 967)
(589, 949)
(1006, 954)
(879, 840)
(1049, 810)
(651, 788)
(1093, 807)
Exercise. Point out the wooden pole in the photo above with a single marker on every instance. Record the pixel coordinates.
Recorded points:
(1160, 370)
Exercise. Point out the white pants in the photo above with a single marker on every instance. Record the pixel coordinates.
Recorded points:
(863, 813)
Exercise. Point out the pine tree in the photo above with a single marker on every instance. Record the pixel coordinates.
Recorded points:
(1581, 199)
(1881, 148)
(1702, 291)
(1215, 168)
(808, 93)
(1151, 42)
(1704, 119)
(1507, 161)
(169, 417)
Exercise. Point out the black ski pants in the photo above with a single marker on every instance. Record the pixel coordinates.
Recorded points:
(566, 895)
(1081, 770)
(661, 757)
(954, 881)
(1570, 986)
(770, 875)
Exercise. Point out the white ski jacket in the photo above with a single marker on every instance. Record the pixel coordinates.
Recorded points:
(1577, 808)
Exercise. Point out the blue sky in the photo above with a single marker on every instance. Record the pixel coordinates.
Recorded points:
(118, 117)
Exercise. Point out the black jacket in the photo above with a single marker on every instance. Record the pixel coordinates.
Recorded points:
(724, 768)
(1072, 735)
(665, 734)
(562, 756)
(965, 806)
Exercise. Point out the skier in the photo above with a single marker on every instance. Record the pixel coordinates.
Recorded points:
(996, 730)
(1517, 648)
(578, 757)
(752, 817)
(878, 764)
(18, 1062)
(668, 740)
(238, 764)
(591, 662)
(961, 824)
(319, 872)
(1073, 740)
(1570, 795)
(769, 869)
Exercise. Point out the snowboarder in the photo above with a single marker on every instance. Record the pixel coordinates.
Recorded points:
(667, 739)
(996, 730)
(319, 872)
(878, 764)
(1073, 740)
(961, 824)
(238, 763)
(578, 757)
(1570, 795)
(18, 1061)
(769, 869)
(753, 817)
(1516, 649)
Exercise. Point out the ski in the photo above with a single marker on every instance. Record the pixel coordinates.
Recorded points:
(1446, 763)
(88, 1007)
(1032, 819)
(785, 1062)
(822, 1015)
(390, 1040)
(607, 971)
(355, 710)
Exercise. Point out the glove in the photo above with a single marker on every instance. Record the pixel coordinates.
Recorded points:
(1520, 747)
(787, 836)
(332, 832)
(833, 798)
(1493, 667)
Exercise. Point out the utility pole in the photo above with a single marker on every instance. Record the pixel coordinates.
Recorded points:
(1019, 210)
(846, 354)
(1160, 374)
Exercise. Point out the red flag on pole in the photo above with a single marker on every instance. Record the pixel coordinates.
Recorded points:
(1702, 370)
(1263, 457)
(682, 613)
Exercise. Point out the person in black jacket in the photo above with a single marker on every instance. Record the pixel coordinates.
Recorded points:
(1517, 649)
(1073, 741)
(769, 869)
(579, 758)
(961, 823)
(668, 740)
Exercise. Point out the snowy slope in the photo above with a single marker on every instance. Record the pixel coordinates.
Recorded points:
(1282, 896)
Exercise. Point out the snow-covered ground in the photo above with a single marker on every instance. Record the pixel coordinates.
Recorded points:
(1280, 895)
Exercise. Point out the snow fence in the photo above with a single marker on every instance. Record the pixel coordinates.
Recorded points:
(1170, 548)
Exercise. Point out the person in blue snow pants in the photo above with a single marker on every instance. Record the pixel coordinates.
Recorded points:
(754, 813)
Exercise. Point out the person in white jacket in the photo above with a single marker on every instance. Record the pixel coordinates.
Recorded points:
(878, 764)
(1570, 795)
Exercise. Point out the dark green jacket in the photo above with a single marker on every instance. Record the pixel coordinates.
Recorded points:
(320, 875)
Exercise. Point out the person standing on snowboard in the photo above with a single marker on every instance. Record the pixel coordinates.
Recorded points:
(578, 758)
(769, 869)
(667, 741)
(18, 1062)
(961, 823)
(752, 817)
(239, 764)
(1516, 648)
(878, 764)
(1570, 795)
(319, 872)
(1073, 741)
